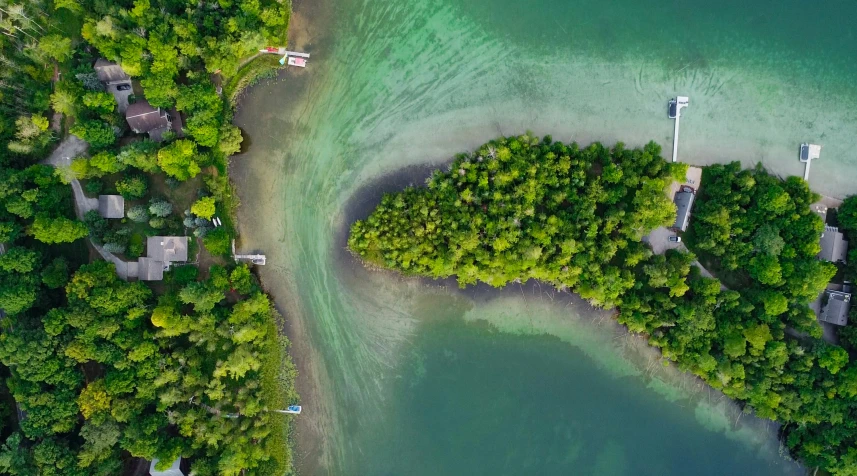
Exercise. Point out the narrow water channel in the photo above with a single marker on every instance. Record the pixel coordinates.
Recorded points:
(408, 377)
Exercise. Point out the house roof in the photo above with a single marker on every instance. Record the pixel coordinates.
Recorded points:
(167, 248)
(142, 117)
(684, 203)
(149, 269)
(837, 307)
(111, 206)
(174, 469)
(109, 72)
(834, 246)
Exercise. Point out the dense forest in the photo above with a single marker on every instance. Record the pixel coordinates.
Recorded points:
(521, 208)
(97, 371)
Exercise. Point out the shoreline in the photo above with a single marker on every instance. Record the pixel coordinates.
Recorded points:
(659, 373)
(310, 454)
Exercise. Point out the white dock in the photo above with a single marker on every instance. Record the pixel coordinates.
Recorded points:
(255, 259)
(808, 153)
(675, 107)
(282, 51)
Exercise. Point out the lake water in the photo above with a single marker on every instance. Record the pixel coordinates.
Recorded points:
(407, 377)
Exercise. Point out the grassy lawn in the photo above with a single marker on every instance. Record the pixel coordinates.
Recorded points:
(181, 196)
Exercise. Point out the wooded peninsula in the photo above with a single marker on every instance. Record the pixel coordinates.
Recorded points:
(522, 208)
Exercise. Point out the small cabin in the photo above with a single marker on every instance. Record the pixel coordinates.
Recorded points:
(683, 200)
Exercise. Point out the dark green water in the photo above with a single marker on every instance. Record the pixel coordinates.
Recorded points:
(401, 377)
(477, 401)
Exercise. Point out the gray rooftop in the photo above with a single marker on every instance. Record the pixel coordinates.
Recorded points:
(109, 72)
(837, 308)
(684, 203)
(111, 206)
(143, 117)
(149, 269)
(834, 247)
(167, 248)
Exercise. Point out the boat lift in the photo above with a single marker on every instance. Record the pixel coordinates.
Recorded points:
(675, 107)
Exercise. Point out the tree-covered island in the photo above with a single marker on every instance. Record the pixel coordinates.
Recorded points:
(521, 208)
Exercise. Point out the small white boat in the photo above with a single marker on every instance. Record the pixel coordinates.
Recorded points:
(297, 61)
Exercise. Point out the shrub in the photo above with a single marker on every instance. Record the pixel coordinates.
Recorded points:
(138, 214)
(135, 246)
(96, 225)
(133, 187)
(114, 247)
(160, 208)
(93, 187)
(182, 275)
(157, 222)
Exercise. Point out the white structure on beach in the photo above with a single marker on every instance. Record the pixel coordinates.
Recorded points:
(808, 153)
(675, 107)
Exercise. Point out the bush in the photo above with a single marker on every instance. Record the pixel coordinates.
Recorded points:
(182, 275)
(96, 225)
(135, 246)
(201, 231)
(217, 241)
(138, 214)
(157, 223)
(133, 187)
(93, 187)
(160, 208)
(114, 247)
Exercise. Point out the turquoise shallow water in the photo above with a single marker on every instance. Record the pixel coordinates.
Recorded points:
(404, 377)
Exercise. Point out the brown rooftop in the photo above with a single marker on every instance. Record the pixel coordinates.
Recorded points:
(142, 117)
